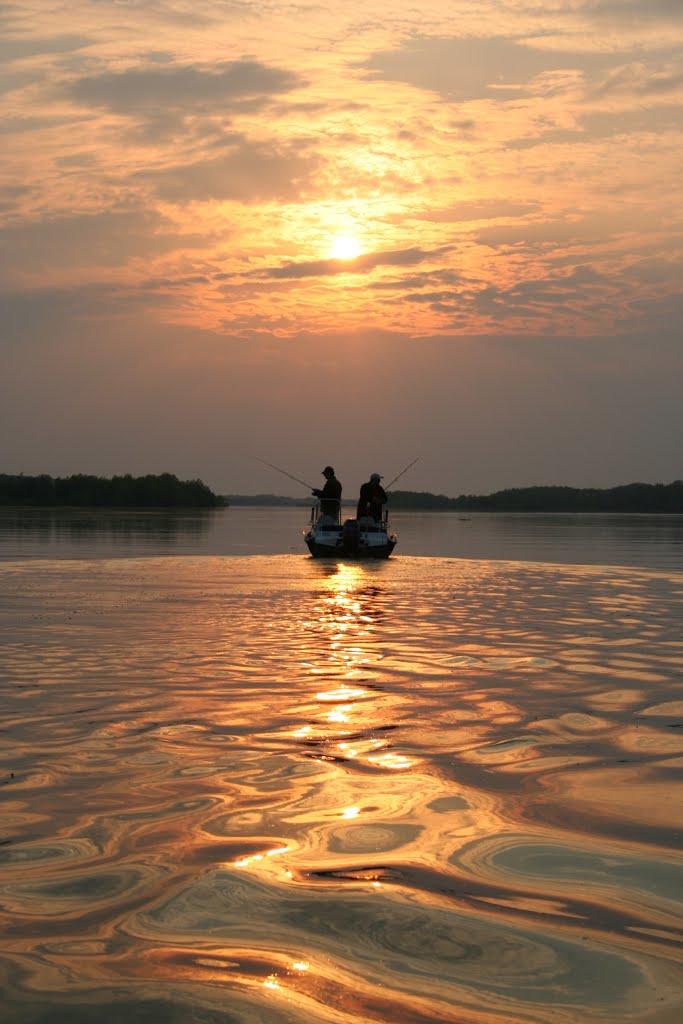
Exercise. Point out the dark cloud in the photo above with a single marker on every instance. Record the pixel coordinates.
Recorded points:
(637, 11)
(361, 265)
(552, 137)
(21, 125)
(640, 79)
(186, 281)
(21, 47)
(10, 195)
(109, 238)
(17, 80)
(540, 298)
(591, 229)
(604, 124)
(475, 68)
(148, 90)
(582, 292)
(248, 172)
(431, 298)
(425, 279)
(664, 314)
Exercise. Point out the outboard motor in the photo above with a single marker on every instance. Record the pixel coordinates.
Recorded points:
(350, 537)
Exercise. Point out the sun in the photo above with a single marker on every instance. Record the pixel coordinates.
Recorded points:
(345, 247)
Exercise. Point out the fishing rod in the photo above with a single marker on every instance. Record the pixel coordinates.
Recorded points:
(284, 472)
(409, 466)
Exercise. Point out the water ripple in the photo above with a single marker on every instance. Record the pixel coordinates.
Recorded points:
(274, 790)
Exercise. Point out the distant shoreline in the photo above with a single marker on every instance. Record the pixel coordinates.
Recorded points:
(652, 499)
(166, 492)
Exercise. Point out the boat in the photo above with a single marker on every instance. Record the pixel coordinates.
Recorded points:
(328, 537)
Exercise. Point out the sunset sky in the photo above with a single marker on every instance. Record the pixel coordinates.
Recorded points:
(350, 233)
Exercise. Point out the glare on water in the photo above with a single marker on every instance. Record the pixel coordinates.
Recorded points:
(272, 789)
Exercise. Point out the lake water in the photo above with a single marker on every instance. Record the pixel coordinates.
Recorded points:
(648, 541)
(240, 785)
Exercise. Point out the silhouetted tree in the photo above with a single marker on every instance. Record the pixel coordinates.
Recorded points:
(163, 491)
(660, 498)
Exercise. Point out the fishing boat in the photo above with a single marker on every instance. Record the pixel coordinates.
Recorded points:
(328, 537)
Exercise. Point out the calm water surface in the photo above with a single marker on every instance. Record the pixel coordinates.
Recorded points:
(262, 788)
(641, 540)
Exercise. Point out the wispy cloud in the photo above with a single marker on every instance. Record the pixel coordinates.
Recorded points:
(360, 265)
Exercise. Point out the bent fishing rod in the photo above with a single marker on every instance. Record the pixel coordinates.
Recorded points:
(398, 477)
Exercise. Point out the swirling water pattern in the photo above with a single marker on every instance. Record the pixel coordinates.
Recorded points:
(266, 789)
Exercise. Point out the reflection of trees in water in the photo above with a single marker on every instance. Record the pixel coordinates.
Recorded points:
(120, 526)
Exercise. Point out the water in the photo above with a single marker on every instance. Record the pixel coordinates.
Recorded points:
(263, 788)
(649, 541)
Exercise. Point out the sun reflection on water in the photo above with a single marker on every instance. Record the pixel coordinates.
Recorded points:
(389, 801)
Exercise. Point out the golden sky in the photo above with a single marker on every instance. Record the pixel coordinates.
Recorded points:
(259, 172)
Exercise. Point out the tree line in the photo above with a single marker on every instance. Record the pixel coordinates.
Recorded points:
(161, 491)
(660, 498)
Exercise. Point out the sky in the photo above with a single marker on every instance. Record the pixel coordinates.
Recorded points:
(348, 233)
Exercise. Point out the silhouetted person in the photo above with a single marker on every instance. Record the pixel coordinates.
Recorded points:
(372, 499)
(330, 495)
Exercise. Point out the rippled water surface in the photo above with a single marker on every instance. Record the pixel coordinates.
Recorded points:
(269, 789)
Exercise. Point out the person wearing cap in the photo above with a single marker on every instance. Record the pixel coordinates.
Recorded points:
(330, 494)
(372, 499)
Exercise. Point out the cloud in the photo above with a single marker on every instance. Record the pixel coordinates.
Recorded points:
(637, 11)
(475, 209)
(10, 195)
(639, 79)
(588, 230)
(248, 172)
(109, 238)
(361, 265)
(148, 90)
(17, 80)
(583, 294)
(539, 298)
(604, 124)
(420, 280)
(22, 47)
(464, 69)
(21, 125)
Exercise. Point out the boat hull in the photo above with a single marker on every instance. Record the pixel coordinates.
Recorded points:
(319, 550)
